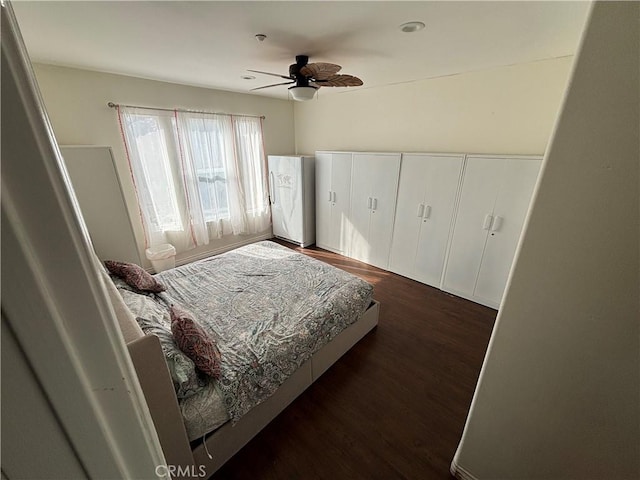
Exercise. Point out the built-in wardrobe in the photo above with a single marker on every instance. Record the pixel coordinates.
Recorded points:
(356, 202)
(452, 221)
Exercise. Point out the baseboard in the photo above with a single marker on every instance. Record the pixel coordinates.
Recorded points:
(460, 473)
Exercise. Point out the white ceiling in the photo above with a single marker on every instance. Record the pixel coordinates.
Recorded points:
(211, 44)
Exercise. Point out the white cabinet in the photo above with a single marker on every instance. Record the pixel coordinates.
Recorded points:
(426, 202)
(494, 201)
(374, 184)
(333, 194)
(97, 188)
(292, 195)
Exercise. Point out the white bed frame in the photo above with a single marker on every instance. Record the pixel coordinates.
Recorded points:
(227, 440)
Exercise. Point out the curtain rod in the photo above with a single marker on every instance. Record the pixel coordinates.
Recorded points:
(114, 105)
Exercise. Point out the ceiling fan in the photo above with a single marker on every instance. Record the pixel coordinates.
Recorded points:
(309, 77)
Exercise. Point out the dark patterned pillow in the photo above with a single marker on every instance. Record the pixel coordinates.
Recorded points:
(195, 342)
(135, 276)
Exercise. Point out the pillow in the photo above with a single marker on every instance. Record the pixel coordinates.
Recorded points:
(195, 342)
(135, 276)
(153, 318)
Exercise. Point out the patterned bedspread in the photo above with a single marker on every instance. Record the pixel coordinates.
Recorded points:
(270, 309)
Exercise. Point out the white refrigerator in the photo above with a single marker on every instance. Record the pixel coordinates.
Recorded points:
(292, 196)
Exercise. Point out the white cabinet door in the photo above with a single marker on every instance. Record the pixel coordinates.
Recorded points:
(481, 182)
(409, 212)
(361, 202)
(323, 199)
(512, 204)
(333, 187)
(341, 197)
(426, 201)
(494, 201)
(442, 178)
(374, 186)
(287, 207)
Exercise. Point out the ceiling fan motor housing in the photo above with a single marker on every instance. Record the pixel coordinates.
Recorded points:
(294, 70)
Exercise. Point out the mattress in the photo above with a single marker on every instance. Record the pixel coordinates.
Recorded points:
(269, 309)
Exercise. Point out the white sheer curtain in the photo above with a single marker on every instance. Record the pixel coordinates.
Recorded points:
(251, 172)
(197, 176)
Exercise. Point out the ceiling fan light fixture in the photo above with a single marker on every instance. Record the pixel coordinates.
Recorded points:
(302, 94)
(411, 27)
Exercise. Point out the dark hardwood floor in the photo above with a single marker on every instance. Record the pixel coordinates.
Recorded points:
(394, 406)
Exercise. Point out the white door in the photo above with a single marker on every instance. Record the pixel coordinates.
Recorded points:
(384, 186)
(441, 179)
(512, 204)
(482, 179)
(361, 203)
(323, 200)
(374, 185)
(424, 212)
(286, 197)
(409, 211)
(340, 201)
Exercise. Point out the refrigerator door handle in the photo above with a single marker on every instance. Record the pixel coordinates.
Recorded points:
(273, 191)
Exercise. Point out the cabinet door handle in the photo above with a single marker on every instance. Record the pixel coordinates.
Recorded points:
(496, 224)
(487, 221)
(369, 201)
(375, 204)
(330, 195)
(420, 210)
(334, 197)
(427, 211)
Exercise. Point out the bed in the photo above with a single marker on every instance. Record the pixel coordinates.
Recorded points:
(279, 320)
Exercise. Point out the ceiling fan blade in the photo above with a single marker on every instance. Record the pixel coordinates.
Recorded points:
(340, 81)
(320, 70)
(274, 85)
(272, 74)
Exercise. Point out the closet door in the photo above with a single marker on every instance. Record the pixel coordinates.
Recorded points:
(361, 203)
(323, 199)
(341, 197)
(373, 195)
(333, 187)
(384, 187)
(442, 178)
(512, 204)
(409, 211)
(426, 201)
(481, 182)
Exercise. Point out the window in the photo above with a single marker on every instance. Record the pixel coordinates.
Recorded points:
(197, 176)
(207, 144)
(151, 147)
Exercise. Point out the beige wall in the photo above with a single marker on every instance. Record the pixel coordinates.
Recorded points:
(503, 110)
(558, 396)
(76, 101)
